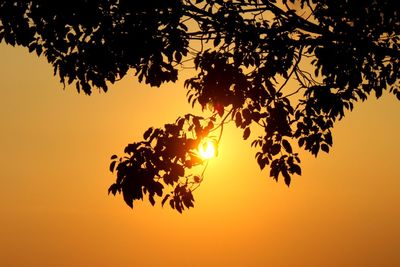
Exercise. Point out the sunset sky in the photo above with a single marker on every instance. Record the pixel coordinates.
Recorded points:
(55, 149)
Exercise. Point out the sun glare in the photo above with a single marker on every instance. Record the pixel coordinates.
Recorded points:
(207, 149)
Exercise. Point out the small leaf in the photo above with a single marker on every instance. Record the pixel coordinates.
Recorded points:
(328, 138)
(158, 188)
(274, 172)
(325, 148)
(39, 50)
(287, 146)
(178, 204)
(113, 189)
(301, 141)
(178, 57)
(254, 143)
(147, 133)
(246, 114)
(112, 166)
(128, 199)
(378, 92)
(275, 149)
(177, 169)
(246, 133)
(217, 41)
(165, 199)
(296, 169)
(286, 176)
(238, 119)
(114, 156)
(187, 199)
(180, 123)
(151, 199)
(197, 179)
(261, 162)
(31, 47)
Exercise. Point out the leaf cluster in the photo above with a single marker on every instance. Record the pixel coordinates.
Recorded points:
(163, 160)
(93, 43)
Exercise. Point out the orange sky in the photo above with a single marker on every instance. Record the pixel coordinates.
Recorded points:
(55, 149)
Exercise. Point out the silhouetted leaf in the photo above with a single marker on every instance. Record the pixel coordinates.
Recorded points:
(301, 141)
(287, 146)
(246, 133)
(217, 41)
(261, 162)
(275, 149)
(128, 199)
(113, 189)
(328, 138)
(147, 133)
(197, 179)
(166, 197)
(325, 148)
(296, 169)
(39, 50)
(151, 200)
(178, 205)
(187, 199)
(238, 119)
(178, 57)
(158, 187)
(112, 166)
(177, 169)
(286, 177)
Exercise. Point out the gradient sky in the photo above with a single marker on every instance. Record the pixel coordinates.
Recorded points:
(55, 148)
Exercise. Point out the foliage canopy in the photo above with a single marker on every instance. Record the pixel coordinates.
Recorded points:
(252, 61)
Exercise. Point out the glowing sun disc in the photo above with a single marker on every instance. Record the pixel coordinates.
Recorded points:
(207, 149)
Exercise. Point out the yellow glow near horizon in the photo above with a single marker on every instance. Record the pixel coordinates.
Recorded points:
(207, 149)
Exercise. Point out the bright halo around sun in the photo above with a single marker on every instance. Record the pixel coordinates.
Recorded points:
(208, 149)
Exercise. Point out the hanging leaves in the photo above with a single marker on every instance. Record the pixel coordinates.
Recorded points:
(246, 133)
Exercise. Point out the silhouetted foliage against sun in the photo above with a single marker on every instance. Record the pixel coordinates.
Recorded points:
(291, 68)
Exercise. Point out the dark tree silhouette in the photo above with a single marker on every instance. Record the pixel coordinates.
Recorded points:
(252, 59)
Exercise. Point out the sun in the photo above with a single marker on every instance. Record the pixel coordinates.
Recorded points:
(207, 149)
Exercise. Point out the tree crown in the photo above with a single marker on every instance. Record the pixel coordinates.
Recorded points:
(252, 60)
